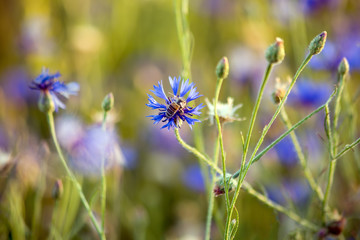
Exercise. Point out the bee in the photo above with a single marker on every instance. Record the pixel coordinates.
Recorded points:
(177, 104)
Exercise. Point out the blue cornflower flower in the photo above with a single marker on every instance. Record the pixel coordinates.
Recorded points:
(50, 86)
(176, 109)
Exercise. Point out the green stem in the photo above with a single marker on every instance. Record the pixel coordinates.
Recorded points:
(346, 149)
(305, 223)
(254, 112)
(247, 141)
(223, 159)
(50, 119)
(316, 188)
(103, 183)
(247, 187)
(266, 129)
(211, 194)
(333, 141)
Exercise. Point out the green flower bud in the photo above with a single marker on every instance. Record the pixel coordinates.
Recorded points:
(57, 190)
(222, 68)
(318, 43)
(343, 68)
(108, 102)
(275, 53)
(46, 103)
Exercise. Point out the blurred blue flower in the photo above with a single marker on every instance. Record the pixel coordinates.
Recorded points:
(297, 191)
(311, 6)
(176, 109)
(193, 178)
(88, 147)
(286, 152)
(48, 84)
(309, 93)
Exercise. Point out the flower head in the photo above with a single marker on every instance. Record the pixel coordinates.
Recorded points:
(176, 109)
(50, 86)
(226, 111)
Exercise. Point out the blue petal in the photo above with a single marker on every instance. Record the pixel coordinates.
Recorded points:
(154, 104)
(159, 91)
(45, 76)
(175, 83)
(195, 110)
(185, 87)
(156, 118)
(57, 102)
(193, 95)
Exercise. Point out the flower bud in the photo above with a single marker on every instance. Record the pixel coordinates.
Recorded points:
(57, 190)
(343, 68)
(318, 43)
(222, 68)
(275, 53)
(219, 188)
(46, 103)
(108, 102)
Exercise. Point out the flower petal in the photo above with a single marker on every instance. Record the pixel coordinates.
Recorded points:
(185, 87)
(175, 83)
(159, 91)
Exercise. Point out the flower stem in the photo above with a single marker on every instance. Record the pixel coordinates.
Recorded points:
(50, 120)
(211, 194)
(316, 188)
(103, 182)
(333, 142)
(244, 171)
(223, 159)
(247, 187)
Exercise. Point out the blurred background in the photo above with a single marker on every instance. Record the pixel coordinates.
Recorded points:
(156, 189)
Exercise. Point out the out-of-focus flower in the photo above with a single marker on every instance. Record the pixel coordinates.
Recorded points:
(225, 111)
(49, 84)
(295, 190)
(309, 93)
(88, 147)
(176, 109)
(280, 90)
(286, 152)
(193, 178)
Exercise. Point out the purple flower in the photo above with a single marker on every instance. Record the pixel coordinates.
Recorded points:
(48, 84)
(295, 190)
(176, 109)
(286, 152)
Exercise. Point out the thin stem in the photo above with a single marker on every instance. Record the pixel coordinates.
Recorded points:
(333, 141)
(305, 223)
(103, 182)
(247, 141)
(282, 136)
(255, 111)
(316, 188)
(346, 149)
(247, 187)
(50, 119)
(223, 159)
(266, 129)
(211, 194)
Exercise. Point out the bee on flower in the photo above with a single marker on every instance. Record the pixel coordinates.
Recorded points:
(176, 109)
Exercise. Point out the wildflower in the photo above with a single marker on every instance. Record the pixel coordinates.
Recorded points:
(51, 88)
(225, 111)
(176, 109)
(280, 90)
(193, 179)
